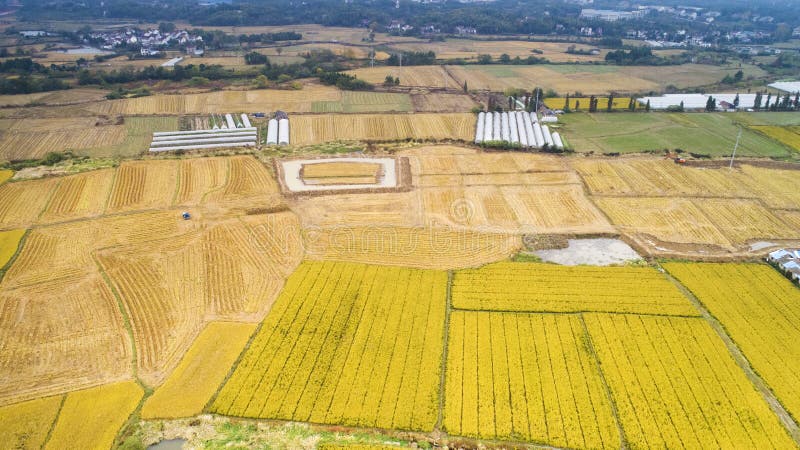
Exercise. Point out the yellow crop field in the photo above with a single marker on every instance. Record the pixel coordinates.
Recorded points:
(9, 243)
(249, 181)
(527, 377)
(742, 220)
(22, 202)
(776, 187)
(91, 418)
(25, 425)
(200, 372)
(422, 247)
(230, 271)
(469, 49)
(5, 175)
(419, 76)
(381, 127)
(789, 136)
(534, 287)
(385, 210)
(582, 103)
(143, 185)
(435, 102)
(676, 386)
(760, 310)
(79, 196)
(346, 344)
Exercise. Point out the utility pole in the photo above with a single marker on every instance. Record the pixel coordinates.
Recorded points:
(734, 149)
(444, 78)
(372, 59)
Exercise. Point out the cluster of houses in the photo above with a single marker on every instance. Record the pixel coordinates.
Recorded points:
(788, 261)
(150, 42)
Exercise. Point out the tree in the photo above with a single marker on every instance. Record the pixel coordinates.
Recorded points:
(682, 107)
(388, 81)
(797, 101)
(738, 76)
(632, 105)
(484, 59)
(786, 101)
(505, 59)
(736, 102)
(711, 104)
(510, 103)
(255, 58)
(166, 27)
(647, 106)
(465, 86)
(757, 101)
(769, 97)
(610, 102)
(566, 103)
(577, 105)
(397, 81)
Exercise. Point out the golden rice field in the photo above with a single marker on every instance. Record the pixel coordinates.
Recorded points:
(789, 136)
(676, 386)
(760, 310)
(9, 243)
(90, 419)
(421, 247)
(31, 141)
(525, 377)
(25, 425)
(143, 185)
(340, 169)
(381, 127)
(421, 76)
(346, 344)
(5, 175)
(79, 196)
(469, 49)
(200, 373)
(535, 287)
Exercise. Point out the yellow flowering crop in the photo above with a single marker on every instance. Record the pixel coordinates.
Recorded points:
(676, 386)
(9, 241)
(200, 372)
(525, 377)
(760, 309)
(25, 425)
(90, 419)
(533, 287)
(346, 344)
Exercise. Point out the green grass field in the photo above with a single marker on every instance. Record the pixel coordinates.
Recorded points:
(708, 134)
(780, 119)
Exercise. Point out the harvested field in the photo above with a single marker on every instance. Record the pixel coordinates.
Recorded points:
(776, 187)
(9, 242)
(171, 287)
(198, 177)
(90, 419)
(525, 377)
(213, 102)
(432, 102)
(533, 287)
(139, 133)
(365, 102)
(143, 185)
(385, 209)
(66, 97)
(470, 49)
(760, 310)
(22, 202)
(381, 127)
(200, 372)
(341, 169)
(416, 76)
(34, 138)
(368, 355)
(675, 385)
(79, 196)
(582, 103)
(249, 183)
(428, 248)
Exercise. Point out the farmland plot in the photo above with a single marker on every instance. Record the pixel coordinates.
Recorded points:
(201, 371)
(760, 309)
(789, 136)
(25, 425)
(34, 138)
(525, 377)
(197, 177)
(345, 210)
(143, 185)
(675, 385)
(21, 203)
(90, 419)
(79, 196)
(170, 288)
(346, 344)
(532, 287)
(9, 243)
(380, 127)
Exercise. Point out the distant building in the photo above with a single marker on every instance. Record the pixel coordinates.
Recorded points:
(466, 30)
(788, 261)
(31, 34)
(612, 15)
